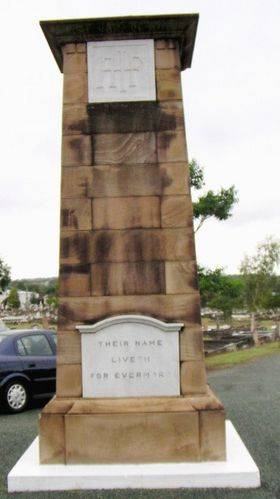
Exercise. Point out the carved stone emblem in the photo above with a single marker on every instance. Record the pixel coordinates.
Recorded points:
(121, 71)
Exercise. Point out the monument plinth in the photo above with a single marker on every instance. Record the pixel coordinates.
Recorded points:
(131, 383)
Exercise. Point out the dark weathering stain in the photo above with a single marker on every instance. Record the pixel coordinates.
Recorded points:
(75, 269)
(75, 245)
(132, 117)
(76, 146)
(68, 218)
(165, 179)
(142, 246)
(80, 126)
(165, 121)
(102, 246)
(165, 139)
(134, 247)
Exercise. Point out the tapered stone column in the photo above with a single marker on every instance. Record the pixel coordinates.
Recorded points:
(127, 240)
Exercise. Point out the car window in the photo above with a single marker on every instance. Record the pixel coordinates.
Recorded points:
(34, 345)
(20, 348)
(54, 337)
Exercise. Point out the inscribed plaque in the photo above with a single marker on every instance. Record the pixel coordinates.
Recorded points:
(130, 356)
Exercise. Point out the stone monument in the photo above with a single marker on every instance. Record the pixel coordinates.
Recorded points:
(131, 381)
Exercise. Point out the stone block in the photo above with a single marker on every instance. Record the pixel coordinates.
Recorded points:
(52, 439)
(127, 278)
(168, 84)
(171, 116)
(193, 377)
(124, 148)
(135, 405)
(74, 247)
(135, 117)
(176, 211)
(191, 343)
(180, 277)
(69, 347)
(212, 435)
(75, 119)
(74, 280)
(52, 432)
(141, 245)
(74, 61)
(171, 146)
(76, 214)
(76, 150)
(205, 402)
(126, 212)
(136, 438)
(167, 58)
(130, 180)
(168, 43)
(165, 307)
(75, 88)
(69, 380)
(69, 48)
(76, 182)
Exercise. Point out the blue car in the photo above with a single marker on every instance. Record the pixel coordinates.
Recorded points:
(27, 367)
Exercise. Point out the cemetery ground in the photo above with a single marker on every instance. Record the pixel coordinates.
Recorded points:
(250, 393)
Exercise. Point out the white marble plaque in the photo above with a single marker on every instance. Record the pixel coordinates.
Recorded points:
(121, 71)
(130, 356)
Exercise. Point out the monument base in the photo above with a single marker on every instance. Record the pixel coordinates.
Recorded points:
(133, 430)
(239, 471)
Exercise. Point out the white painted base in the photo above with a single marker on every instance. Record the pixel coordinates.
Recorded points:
(239, 471)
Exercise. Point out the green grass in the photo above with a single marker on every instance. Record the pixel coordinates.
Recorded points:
(233, 358)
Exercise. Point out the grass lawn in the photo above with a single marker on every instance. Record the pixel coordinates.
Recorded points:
(232, 358)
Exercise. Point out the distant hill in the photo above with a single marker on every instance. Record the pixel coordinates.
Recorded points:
(42, 285)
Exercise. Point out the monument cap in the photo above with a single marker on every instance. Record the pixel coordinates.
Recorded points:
(180, 27)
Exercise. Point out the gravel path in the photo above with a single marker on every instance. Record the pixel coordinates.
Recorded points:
(250, 393)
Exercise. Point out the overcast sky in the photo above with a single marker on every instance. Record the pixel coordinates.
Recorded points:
(232, 110)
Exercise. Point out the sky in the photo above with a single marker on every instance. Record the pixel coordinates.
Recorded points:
(232, 113)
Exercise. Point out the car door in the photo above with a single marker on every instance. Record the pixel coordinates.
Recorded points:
(38, 362)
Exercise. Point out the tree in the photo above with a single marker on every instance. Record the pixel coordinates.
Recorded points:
(218, 205)
(5, 275)
(219, 291)
(258, 272)
(13, 299)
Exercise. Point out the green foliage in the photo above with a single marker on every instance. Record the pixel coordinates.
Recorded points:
(220, 291)
(258, 272)
(218, 205)
(234, 358)
(196, 175)
(52, 301)
(13, 299)
(43, 286)
(5, 275)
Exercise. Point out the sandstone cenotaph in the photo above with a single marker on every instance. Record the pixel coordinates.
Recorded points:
(131, 381)
(132, 391)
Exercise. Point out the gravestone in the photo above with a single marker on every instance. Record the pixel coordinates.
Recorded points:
(131, 382)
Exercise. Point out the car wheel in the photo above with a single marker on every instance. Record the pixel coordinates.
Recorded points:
(16, 396)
